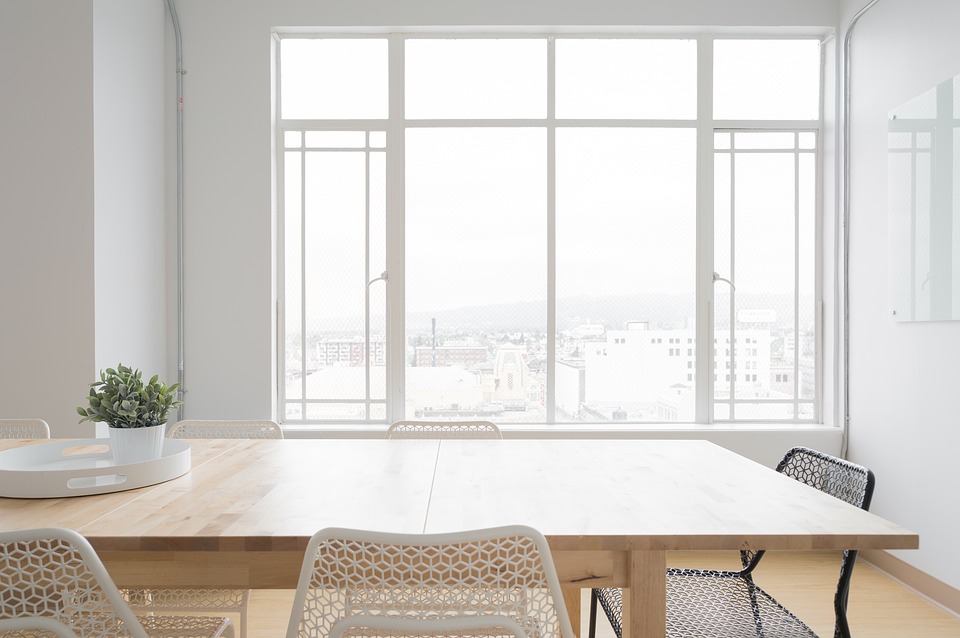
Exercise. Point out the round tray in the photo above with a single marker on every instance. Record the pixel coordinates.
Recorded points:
(82, 467)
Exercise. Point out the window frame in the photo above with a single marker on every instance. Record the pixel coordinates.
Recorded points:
(396, 124)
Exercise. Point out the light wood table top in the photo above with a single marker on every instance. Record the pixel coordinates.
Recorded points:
(654, 494)
(609, 508)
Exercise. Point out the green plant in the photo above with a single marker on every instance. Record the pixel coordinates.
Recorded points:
(122, 400)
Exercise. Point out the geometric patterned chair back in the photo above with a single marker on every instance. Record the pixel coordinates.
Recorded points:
(55, 575)
(842, 479)
(24, 429)
(846, 481)
(406, 584)
(443, 430)
(225, 430)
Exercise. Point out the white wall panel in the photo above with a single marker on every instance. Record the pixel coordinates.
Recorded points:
(903, 388)
(46, 211)
(130, 242)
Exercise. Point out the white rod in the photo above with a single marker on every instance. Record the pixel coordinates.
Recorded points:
(845, 227)
(180, 72)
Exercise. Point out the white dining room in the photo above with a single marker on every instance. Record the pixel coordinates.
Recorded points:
(637, 293)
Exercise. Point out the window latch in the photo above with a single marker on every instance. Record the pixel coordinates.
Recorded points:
(717, 277)
(382, 277)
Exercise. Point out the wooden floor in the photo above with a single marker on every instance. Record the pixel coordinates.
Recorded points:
(803, 582)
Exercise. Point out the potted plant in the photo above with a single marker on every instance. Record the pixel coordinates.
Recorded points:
(135, 412)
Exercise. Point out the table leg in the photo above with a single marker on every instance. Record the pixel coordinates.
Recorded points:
(645, 599)
(571, 597)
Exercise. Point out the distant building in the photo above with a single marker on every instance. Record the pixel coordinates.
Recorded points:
(511, 377)
(650, 373)
(465, 356)
(350, 352)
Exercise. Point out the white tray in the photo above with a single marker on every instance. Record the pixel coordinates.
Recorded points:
(81, 467)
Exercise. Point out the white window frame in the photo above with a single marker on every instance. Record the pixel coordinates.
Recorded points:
(395, 126)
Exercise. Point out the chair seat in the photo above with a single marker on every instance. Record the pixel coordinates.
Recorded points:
(724, 604)
(194, 599)
(186, 626)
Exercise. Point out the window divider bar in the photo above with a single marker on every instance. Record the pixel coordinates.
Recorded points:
(303, 283)
(395, 233)
(550, 403)
(366, 281)
(703, 287)
(796, 281)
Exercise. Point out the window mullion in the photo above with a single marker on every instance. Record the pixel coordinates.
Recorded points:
(704, 226)
(396, 328)
(551, 382)
(796, 278)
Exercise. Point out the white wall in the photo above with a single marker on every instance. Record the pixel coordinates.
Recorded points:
(46, 210)
(904, 422)
(130, 233)
(82, 241)
(229, 292)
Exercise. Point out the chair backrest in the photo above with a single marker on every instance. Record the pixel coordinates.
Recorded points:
(443, 430)
(844, 480)
(24, 429)
(225, 430)
(52, 578)
(414, 583)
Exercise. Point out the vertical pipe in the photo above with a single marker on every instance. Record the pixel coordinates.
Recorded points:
(180, 72)
(846, 226)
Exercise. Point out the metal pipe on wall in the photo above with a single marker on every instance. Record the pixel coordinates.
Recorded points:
(845, 225)
(180, 72)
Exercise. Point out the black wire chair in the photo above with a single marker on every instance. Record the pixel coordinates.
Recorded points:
(707, 603)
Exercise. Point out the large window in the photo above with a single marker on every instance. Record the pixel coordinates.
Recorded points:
(548, 229)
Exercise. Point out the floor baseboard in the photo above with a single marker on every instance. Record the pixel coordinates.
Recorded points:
(924, 584)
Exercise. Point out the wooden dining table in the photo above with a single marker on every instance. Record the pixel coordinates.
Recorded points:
(610, 509)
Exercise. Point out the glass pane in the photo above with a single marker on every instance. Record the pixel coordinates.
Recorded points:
(336, 412)
(471, 78)
(333, 78)
(293, 330)
(378, 139)
(626, 250)
(335, 234)
(476, 273)
(808, 140)
(626, 78)
(293, 412)
(292, 139)
(335, 139)
(763, 412)
(721, 140)
(764, 140)
(764, 267)
(806, 275)
(766, 79)
(378, 412)
(378, 265)
(723, 265)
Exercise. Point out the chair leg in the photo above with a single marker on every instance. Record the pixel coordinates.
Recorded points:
(593, 614)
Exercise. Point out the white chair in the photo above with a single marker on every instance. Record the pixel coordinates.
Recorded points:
(443, 430)
(24, 429)
(205, 600)
(52, 580)
(225, 430)
(489, 582)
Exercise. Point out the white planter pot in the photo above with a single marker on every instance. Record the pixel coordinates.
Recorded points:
(136, 445)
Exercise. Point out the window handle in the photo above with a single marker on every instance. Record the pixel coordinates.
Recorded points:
(717, 277)
(382, 277)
